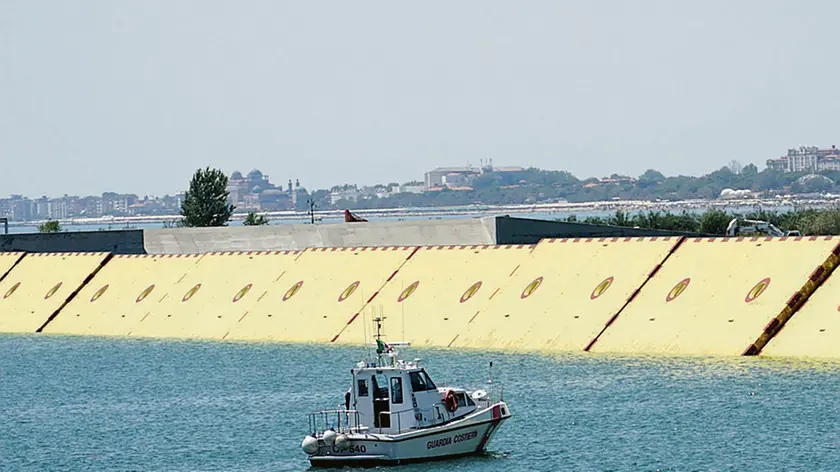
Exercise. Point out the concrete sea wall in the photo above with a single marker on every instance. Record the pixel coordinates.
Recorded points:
(297, 237)
(630, 295)
(117, 241)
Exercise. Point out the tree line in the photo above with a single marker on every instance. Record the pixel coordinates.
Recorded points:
(206, 204)
(536, 185)
(810, 222)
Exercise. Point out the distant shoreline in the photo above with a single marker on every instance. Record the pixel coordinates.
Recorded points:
(558, 209)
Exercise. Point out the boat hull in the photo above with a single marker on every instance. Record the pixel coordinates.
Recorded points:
(463, 437)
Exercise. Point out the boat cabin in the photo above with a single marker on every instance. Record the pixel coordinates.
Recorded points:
(396, 398)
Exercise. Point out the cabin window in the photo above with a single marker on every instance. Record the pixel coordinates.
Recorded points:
(462, 399)
(381, 417)
(380, 386)
(396, 390)
(470, 401)
(429, 382)
(363, 390)
(420, 381)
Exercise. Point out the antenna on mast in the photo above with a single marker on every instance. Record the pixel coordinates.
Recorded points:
(384, 348)
(381, 347)
(378, 320)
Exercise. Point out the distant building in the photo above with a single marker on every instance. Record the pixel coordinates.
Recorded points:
(256, 192)
(274, 200)
(251, 202)
(610, 181)
(807, 159)
(830, 162)
(90, 207)
(234, 194)
(58, 208)
(20, 208)
(438, 177)
(350, 194)
(255, 182)
(409, 189)
(456, 179)
(42, 207)
(618, 180)
(117, 203)
(462, 176)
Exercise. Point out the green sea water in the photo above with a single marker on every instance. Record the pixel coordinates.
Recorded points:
(80, 404)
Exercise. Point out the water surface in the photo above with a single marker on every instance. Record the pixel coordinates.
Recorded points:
(110, 404)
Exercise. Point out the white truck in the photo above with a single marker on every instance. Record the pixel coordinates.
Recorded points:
(744, 226)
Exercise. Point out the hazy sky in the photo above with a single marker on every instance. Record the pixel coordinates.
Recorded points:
(134, 96)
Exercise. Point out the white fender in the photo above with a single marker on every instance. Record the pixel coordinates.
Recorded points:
(309, 445)
(341, 442)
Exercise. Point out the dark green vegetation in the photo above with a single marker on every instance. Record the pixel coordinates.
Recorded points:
(808, 222)
(205, 203)
(535, 185)
(253, 219)
(51, 226)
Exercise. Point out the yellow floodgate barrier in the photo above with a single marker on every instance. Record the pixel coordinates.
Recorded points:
(210, 298)
(723, 296)
(436, 293)
(319, 293)
(7, 261)
(814, 330)
(564, 293)
(121, 294)
(40, 284)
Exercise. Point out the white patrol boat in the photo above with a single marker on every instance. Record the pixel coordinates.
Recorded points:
(394, 413)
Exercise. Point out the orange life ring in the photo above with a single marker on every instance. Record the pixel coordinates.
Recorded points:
(450, 401)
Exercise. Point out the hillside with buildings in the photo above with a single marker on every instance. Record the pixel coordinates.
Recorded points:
(807, 159)
(803, 170)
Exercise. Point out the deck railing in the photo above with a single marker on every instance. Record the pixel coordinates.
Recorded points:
(339, 420)
(349, 421)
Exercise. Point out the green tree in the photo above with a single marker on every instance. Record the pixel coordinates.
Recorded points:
(321, 198)
(254, 219)
(51, 226)
(768, 180)
(818, 185)
(652, 175)
(205, 203)
(824, 223)
(749, 171)
(651, 178)
(168, 224)
(488, 180)
(714, 222)
(620, 219)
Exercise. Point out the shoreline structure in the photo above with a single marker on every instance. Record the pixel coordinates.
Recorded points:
(558, 209)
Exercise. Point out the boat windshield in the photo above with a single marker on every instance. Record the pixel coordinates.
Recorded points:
(465, 400)
(420, 381)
